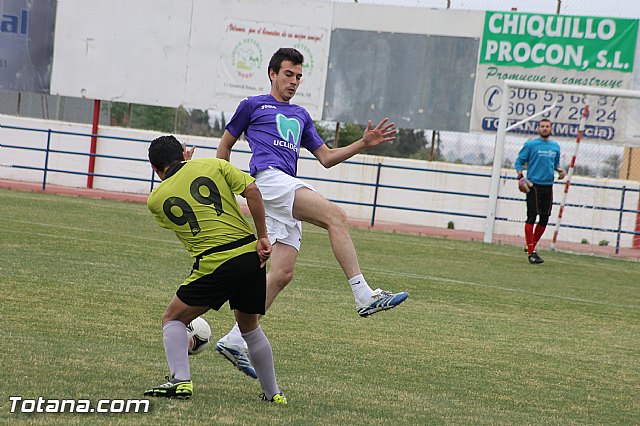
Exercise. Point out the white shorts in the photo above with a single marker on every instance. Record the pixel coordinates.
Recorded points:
(278, 193)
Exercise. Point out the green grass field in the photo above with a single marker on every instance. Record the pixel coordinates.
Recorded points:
(485, 338)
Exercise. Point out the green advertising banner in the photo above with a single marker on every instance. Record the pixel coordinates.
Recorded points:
(596, 52)
(567, 42)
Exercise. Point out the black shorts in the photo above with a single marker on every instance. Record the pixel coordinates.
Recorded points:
(540, 200)
(240, 280)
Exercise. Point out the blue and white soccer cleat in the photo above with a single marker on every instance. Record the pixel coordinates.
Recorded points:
(237, 355)
(381, 301)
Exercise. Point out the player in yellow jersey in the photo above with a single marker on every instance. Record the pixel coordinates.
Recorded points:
(196, 200)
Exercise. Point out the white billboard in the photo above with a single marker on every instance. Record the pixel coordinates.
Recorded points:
(206, 54)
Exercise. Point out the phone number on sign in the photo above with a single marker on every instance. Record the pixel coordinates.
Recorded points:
(526, 102)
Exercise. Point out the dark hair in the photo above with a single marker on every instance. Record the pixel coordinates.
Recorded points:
(544, 119)
(284, 54)
(164, 151)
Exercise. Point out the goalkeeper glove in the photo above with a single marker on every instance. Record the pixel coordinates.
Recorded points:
(523, 184)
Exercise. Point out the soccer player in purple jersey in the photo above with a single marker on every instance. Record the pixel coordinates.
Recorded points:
(276, 131)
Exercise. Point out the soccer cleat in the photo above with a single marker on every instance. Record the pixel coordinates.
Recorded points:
(534, 258)
(237, 355)
(381, 301)
(278, 398)
(179, 390)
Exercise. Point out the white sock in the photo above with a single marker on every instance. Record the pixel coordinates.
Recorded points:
(234, 336)
(261, 357)
(174, 337)
(361, 290)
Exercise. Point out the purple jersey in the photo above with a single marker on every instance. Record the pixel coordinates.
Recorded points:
(275, 132)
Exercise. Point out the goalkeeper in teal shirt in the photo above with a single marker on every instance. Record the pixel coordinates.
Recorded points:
(541, 156)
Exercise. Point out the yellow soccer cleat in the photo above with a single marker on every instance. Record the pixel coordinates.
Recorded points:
(179, 390)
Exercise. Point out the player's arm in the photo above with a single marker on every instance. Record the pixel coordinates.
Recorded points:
(226, 143)
(329, 157)
(256, 207)
(521, 160)
(373, 136)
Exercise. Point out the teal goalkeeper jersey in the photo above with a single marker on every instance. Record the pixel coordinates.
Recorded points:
(198, 204)
(541, 157)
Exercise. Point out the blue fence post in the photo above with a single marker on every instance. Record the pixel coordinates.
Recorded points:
(375, 195)
(624, 190)
(46, 160)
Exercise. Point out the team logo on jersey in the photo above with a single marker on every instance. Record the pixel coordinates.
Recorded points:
(547, 153)
(289, 130)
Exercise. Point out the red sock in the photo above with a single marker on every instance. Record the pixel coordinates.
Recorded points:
(528, 236)
(537, 234)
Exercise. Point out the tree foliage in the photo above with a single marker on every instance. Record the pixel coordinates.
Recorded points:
(162, 119)
(612, 166)
(409, 143)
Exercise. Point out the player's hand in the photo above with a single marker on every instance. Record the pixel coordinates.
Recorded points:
(264, 250)
(561, 174)
(187, 152)
(524, 185)
(383, 132)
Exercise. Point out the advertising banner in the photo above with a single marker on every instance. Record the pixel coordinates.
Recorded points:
(574, 50)
(247, 47)
(26, 44)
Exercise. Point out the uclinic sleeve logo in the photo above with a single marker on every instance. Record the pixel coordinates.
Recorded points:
(246, 58)
(288, 127)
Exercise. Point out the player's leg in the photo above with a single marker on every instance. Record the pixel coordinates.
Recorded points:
(248, 303)
(311, 207)
(174, 337)
(545, 202)
(532, 214)
(261, 355)
(281, 268)
(535, 200)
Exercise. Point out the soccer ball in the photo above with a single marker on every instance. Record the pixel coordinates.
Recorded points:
(199, 334)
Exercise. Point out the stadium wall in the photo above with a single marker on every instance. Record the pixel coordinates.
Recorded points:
(451, 192)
